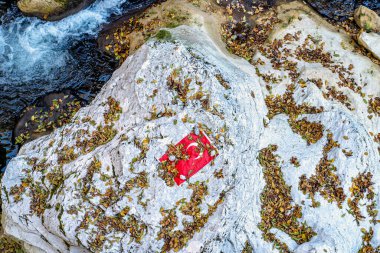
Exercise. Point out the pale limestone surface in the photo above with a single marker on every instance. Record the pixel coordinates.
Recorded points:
(242, 111)
(370, 41)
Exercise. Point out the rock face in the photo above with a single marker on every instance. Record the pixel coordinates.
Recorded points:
(342, 9)
(46, 114)
(121, 185)
(52, 9)
(371, 41)
(297, 164)
(367, 19)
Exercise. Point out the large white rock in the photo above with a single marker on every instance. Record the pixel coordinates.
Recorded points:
(235, 118)
(133, 85)
(370, 41)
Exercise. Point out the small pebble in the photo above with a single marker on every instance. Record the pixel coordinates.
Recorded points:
(213, 153)
(172, 158)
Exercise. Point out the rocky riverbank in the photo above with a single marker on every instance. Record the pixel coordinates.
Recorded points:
(39, 58)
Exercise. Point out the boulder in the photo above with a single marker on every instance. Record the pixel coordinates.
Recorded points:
(334, 9)
(47, 113)
(296, 166)
(340, 10)
(367, 19)
(371, 41)
(52, 9)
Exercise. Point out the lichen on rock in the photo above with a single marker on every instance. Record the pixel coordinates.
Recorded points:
(367, 19)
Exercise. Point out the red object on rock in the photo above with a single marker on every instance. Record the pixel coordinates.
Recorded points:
(198, 151)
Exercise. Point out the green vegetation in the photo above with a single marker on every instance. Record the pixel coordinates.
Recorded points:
(164, 35)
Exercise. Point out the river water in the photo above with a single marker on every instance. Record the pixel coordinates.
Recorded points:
(37, 57)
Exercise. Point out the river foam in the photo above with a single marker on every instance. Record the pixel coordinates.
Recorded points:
(37, 56)
(31, 48)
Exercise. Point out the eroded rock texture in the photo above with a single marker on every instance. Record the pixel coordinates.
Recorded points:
(297, 136)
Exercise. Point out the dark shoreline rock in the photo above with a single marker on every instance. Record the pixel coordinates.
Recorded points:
(110, 27)
(340, 10)
(45, 114)
(86, 73)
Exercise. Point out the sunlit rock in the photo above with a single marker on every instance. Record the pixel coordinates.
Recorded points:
(51, 9)
(367, 19)
(296, 132)
(370, 41)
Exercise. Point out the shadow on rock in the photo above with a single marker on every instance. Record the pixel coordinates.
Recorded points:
(46, 114)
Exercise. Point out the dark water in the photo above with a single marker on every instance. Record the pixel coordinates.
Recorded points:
(340, 10)
(7, 149)
(39, 57)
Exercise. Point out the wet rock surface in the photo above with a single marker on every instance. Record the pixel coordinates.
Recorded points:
(46, 114)
(340, 10)
(55, 62)
(38, 57)
(86, 72)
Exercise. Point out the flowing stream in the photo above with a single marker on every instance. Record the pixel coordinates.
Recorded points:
(37, 57)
